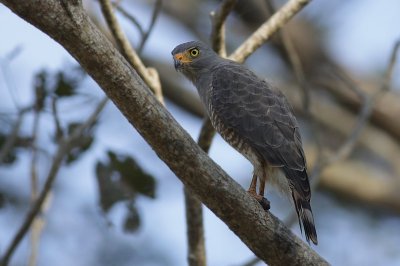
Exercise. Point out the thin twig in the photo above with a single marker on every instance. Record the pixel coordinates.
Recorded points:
(143, 34)
(64, 148)
(131, 18)
(149, 75)
(36, 224)
(275, 22)
(389, 72)
(59, 132)
(294, 60)
(33, 170)
(218, 18)
(154, 16)
(206, 136)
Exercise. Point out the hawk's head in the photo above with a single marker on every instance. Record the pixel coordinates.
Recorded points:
(192, 57)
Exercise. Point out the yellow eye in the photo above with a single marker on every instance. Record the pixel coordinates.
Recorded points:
(194, 52)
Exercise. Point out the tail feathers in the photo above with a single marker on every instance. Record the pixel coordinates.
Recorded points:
(306, 219)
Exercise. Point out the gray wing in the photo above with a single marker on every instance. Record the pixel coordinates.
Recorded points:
(262, 117)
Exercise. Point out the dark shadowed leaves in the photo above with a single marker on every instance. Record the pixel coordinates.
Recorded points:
(65, 85)
(85, 141)
(10, 157)
(132, 219)
(132, 174)
(19, 143)
(40, 89)
(121, 179)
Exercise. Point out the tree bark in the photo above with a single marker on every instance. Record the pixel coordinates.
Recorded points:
(68, 24)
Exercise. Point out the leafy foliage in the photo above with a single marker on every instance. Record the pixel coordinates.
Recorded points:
(122, 179)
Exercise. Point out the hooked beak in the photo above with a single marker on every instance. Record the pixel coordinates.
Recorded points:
(180, 59)
(177, 64)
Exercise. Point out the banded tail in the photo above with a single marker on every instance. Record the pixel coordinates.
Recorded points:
(301, 193)
(305, 216)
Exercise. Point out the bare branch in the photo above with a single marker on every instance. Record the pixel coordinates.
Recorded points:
(218, 18)
(63, 149)
(389, 72)
(144, 34)
(59, 132)
(294, 60)
(275, 22)
(130, 18)
(36, 224)
(195, 229)
(149, 75)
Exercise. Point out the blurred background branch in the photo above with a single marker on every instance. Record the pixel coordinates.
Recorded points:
(64, 148)
(149, 75)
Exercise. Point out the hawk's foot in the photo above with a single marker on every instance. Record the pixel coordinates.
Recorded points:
(264, 202)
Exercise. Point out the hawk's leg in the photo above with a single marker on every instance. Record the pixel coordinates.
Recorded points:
(264, 201)
(260, 196)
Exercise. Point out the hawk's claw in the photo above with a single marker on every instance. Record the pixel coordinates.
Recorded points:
(265, 204)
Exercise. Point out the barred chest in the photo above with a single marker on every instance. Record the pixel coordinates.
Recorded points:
(233, 139)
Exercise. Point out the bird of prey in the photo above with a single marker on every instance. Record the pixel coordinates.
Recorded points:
(254, 118)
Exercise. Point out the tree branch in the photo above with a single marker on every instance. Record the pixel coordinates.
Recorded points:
(37, 221)
(149, 75)
(195, 229)
(262, 232)
(218, 18)
(274, 23)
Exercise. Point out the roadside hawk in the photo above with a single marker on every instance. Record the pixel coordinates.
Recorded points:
(255, 119)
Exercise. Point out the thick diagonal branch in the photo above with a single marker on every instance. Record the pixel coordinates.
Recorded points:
(262, 232)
